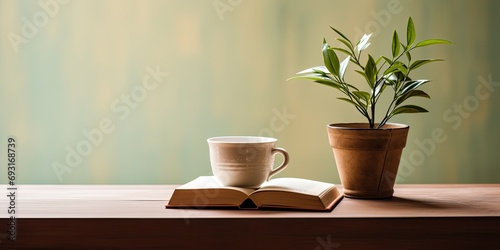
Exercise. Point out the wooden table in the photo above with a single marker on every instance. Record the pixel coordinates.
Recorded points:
(134, 217)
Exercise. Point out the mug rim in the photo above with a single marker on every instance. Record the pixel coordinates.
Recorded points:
(241, 139)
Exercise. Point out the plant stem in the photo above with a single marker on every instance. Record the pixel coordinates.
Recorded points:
(387, 117)
(372, 124)
(396, 91)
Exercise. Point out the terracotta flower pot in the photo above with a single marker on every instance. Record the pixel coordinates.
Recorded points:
(367, 159)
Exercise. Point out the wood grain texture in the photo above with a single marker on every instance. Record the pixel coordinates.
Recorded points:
(134, 217)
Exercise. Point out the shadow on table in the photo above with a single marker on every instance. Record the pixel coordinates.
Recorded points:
(430, 203)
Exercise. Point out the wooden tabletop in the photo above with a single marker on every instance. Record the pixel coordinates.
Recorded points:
(140, 201)
(45, 211)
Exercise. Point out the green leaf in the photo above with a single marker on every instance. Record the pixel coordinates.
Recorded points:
(330, 84)
(334, 60)
(371, 71)
(379, 59)
(316, 69)
(348, 100)
(314, 77)
(395, 44)
(330, 59)
(363, 74)
(410, 32)
(419, 63)
(362, 95)
(408, 109)
(340, 34)
(396, 67)
(343, 51)
(360, 106)
(407, 52)
(411, 85)
(346, 43)
(389, 61)
(408, 55)
(414, 93)
(352, 87)
(343, 67)
(431, 42)
(319, 79)
(322, 73)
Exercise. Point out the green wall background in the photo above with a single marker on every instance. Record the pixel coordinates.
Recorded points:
(227, 62)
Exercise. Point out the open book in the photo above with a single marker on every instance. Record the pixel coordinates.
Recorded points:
(282, 193)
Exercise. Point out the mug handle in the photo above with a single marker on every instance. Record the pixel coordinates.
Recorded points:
(283, 165)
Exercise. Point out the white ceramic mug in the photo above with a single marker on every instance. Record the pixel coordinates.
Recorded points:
(244, 161)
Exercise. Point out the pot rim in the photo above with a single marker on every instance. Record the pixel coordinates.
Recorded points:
(365, 126)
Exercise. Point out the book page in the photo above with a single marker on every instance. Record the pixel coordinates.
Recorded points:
(297, 185)
(209, 182)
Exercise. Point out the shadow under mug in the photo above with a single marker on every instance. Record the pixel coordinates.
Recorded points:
(244, 161)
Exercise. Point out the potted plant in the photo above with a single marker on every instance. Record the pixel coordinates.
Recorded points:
(368, 154)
